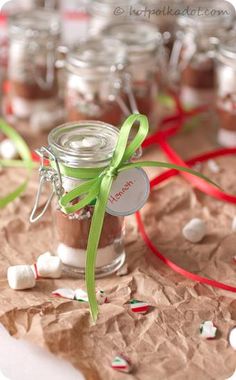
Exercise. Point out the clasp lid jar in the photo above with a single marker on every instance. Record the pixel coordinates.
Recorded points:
(202, 28)
(34, 39)
(144, 53)
(94, 80)
(84, 145)
(226, 92)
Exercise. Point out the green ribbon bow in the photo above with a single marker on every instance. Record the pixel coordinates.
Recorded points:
(99, 187)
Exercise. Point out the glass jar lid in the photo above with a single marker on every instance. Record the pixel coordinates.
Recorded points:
(208, 16)
(100, 55)
(35, 23)
(84, 144)
(97, 56)
(139, 37)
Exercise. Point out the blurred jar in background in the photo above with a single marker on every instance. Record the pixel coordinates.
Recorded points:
(94, 80)
(75, 21)
(34, 39)
(200, 36)
(144, 54)
(109, 12)
(226, 92)
(162, 13)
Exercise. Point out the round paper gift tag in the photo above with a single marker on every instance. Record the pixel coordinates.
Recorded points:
(129, 192)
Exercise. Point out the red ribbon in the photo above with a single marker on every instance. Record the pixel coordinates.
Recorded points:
(160, 138)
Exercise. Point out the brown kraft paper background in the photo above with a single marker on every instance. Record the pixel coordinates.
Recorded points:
(165, 343)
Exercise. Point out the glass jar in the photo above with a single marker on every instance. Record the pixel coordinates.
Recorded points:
(90, 145)
(144, 54)
(108, 12)
(94, 80)
(201, 33)
(226, 93)
(34, 38)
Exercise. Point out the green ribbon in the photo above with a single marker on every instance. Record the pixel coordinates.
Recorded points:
(99, 187)
(26, 162)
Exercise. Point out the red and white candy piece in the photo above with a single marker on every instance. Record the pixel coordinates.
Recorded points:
(234, 259)
(48, 266)
(208, 330)
(121, 364)
(139, 306)
(82, 296)
(64, 293)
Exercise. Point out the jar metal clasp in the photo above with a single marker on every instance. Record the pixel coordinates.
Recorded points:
(47, 174)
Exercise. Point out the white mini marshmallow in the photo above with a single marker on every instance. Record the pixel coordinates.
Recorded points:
(21, 277)
(232, 338)
(8, 149)
(49, 266)
(194, 230)
(234, 224)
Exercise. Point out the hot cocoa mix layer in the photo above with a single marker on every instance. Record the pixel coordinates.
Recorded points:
(200, 76)
(227, 119)
(74, 232)
(111, 114)
(32, 91)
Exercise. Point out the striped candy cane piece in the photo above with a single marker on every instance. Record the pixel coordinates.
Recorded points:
(139, 306)
(64, 293)
(208, 330)
(81, 295)
(121, 364)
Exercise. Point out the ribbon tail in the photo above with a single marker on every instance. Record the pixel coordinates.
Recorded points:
(27, 162)
(93, 241)
(185, 169)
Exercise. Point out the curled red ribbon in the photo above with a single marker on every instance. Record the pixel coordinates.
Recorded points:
(160, 138)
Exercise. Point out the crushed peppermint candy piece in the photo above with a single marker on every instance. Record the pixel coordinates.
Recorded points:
(121, 364)
(82, 296)
(101, 297)
(64, 293)
(123, 270)
(232, 338)
(213, 166)
(208, 330)
(234, 259)
(139, 306)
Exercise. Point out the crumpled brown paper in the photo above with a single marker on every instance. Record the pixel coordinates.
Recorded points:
(165, 343)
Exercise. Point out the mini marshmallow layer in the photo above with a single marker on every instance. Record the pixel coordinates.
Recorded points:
(21, 277)
(194, 230)
(226, 138)
(77, 257)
